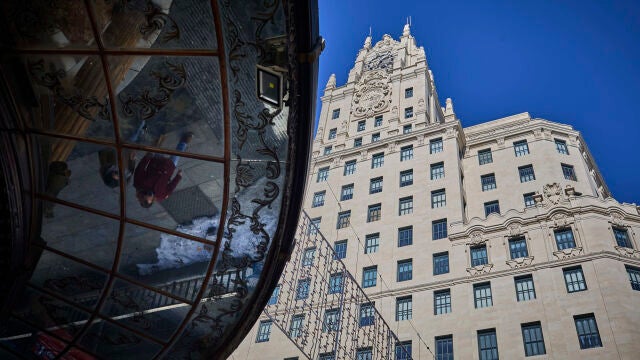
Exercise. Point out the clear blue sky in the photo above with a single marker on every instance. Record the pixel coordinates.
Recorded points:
(573, 62)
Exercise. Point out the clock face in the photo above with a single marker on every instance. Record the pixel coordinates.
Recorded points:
(380, 60)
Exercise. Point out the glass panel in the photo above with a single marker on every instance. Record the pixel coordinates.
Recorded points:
(113, 342)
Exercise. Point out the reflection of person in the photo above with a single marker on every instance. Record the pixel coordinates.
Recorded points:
(152, 177)
(57, 179)
(109, 165)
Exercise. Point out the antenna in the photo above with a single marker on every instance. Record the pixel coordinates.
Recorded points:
(409, 20)
(369, 30)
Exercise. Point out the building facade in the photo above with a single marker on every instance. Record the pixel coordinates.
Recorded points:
(494, 240)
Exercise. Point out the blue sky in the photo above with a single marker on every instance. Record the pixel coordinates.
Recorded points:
(573, 62)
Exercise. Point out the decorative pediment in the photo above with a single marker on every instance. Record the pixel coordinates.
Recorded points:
(561, 219)
(628, 252)
(372, 94)
(520, 262)
(514, 229)
(553, 194)
(617, 219)
(476, 238)
(480, 269)
(568, 253)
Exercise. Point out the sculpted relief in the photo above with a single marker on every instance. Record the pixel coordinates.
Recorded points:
(372, 93)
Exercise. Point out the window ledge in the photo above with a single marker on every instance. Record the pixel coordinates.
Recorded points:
(480, 269)
(568, 253)
(520, 262)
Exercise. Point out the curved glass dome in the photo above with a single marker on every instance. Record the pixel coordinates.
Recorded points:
(148, 153)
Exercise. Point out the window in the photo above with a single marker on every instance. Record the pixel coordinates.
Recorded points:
(375, 137)
(438, 198)
(526, 173)
(444, 347)
(375, 185)
(314, 226)
(634, 277)
(362, 124)
(349, 167)
(521, 148)
(405, 236)
(327, 150)
(331, 323)
(307, 256)
(377, 160)
(408, 92)
(369, 275)
(488, 182)
(406, 129)
(574, 279)
(406, 177)
(357, 142)
(264, 330)
(367, 314)
(479, 255)
(485, 157)
(564, 239)
(568, 172)
(274, 296)
(404, 308)
(336, 282)
(439, 229)
(437, 171)
(406, 153)
(491, 207)
(408, 112)
(587, 330)
(442, 302)
(340, 249)
(403, 350)
(487, 344)
(374, 213)
(440, 263)
(405, 270)
(332, 133)
(295, 328)
(318, 199)
(364, 354)
(372, 242)
(528, 200)
(405, 205)
(377, 121)
(482, 295)
(524, 288)
(532, 339)
(561, 146)
(622, 237)
(518, 247)
(327, 356)
(323, 174)
(347, 192)
(302, 291)
(435, 146)
(336, 114)
(344, 218)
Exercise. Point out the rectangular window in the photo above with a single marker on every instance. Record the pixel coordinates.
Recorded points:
(405, 205)
(308, 256)
(444, 347)
(375, 137)
(442, 302)
(364, 354)
(323, 174)
(362, 124)
(439, 229)
(331, 320)
(349, 167)
(340, 249)
(318, 198)
(295, 328)
(524, 288)
(344, 218)
(403, 350)
(405, 270)
(336, 114)
(561, 146)
(564, 239)
(375, 185)
(404, 308)
(367, 314)
(482, 295)
(408, 112)
(347, 192)
(485, 156)
(518, 247)
(634, 277)
(374, 212)
(408, 92)
(574, 279)
(274, 296)
(406, 153)
(406, 129)
(314, 225)
(336, 282)
(521, 148)
(405, 236)
(491, 207)
(377, 121)
(437, 171)
(526, 173)
(441, 263)
(372, 242)
(438, 198)
(488, 182)
(622, 237)
(406, 177)
(327, 356)
(532, 339)
(327, 150)
(357, 142)
(587, 330)
(332, 133)
(369, 275)
(528, 200)
(568, 172)
(302, 290)
(435, 146)
(487, 344)
(479, 255)
(264, 331)
(377, 160)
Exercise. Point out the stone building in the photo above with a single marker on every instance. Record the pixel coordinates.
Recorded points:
(499, 239)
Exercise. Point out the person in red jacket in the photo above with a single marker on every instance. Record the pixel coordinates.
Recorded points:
(152, 177)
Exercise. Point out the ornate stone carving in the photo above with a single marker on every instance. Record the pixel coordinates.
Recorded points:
(568, 253)
(560, 220)
(537, 133)
(569, 190)
(500, 141)
(391, 147)
(372, 93)
(617, 219)
(552, 194)
(628, 252)
(475, 238)
(421, 106)
(363, 155)
(331, 83)
(514, 229)
(480, 269)
(520, 262)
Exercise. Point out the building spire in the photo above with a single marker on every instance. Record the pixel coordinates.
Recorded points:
(331, 83)
(448, 110)
(407, 31)
(367, 41)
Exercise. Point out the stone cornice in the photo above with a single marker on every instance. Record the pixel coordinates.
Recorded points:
(513, 129)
